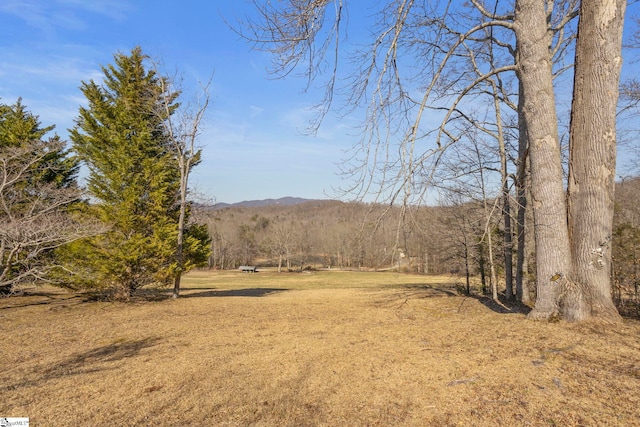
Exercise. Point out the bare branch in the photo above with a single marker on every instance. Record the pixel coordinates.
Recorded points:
(35, 216)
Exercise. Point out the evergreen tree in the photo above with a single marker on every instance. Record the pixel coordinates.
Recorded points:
(37, 192)
(19, 128)
(132, 178)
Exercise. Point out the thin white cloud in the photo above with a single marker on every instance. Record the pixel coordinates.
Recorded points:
(117, 10)
(300, 120)
(255, 111)
(47, 16)
(298, 117)
(49, 85)
(32, 12)
(249, 146)
(52, 69)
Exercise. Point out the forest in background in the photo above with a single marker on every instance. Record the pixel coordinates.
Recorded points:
(453, 239)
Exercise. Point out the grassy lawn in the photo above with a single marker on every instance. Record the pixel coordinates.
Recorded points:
(310, 280)
(321, 348)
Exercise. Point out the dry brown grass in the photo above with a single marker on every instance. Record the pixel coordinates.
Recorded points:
(329, 348)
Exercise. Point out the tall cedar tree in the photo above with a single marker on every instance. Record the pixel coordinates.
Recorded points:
(132, 179)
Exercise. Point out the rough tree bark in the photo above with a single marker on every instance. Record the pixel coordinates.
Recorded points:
(534, 65)
(593, 157)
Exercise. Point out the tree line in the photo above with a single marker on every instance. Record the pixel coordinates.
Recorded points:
(331, 234)
(131, 226)
(450, 239)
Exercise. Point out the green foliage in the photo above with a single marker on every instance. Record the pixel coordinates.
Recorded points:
(197, 244)
(20, 128)
(37, 193)
(133, 179)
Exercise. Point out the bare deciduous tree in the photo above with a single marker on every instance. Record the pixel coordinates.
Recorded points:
(34, 215)
(182, 127)
(411, 70)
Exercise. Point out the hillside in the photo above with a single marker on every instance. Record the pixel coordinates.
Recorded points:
(283, 201)
(298, 233)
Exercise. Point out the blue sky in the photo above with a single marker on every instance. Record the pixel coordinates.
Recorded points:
(254, 141)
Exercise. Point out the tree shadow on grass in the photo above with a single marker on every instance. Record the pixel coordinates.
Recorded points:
(249, 292)
(417, 291)
(94, 360)
(32, 298)
(109, 353)
(446, 290)
(502, 306)
(59, 301)
(421, 290)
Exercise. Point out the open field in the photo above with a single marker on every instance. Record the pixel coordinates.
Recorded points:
(306, 349)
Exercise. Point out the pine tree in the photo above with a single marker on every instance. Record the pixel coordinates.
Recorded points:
(132, 178)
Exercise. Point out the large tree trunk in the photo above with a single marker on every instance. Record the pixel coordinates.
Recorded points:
(593, 156)
(553, 255)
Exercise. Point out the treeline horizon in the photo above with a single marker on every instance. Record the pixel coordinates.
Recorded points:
(429, 240)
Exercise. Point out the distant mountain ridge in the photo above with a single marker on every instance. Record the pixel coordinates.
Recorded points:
(283, 201)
